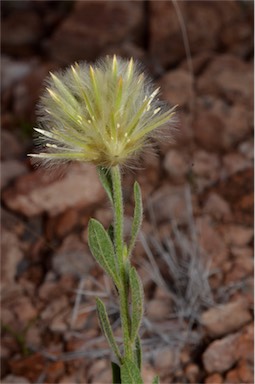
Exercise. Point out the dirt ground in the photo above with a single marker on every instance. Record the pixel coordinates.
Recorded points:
(195, 252)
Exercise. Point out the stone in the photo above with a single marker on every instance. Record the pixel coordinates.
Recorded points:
(206, 169)
(105, 216)
(54, 308)
(11, 255)
(215, 378)
(246, 148)
(241, 268)
(217, 207)
(13, 71)
(211, 242)
(55, 370)
(29, 367)
(33, 337)
(237, 235)
(240, 44)
(72, 258)
(92, 27)
(219, 126)
(66, 222)
(38, 192)
(67, 379)
(177, 87)
(236, 162)
(157, 309)
(104, 377)
(245, 371)
(11, 147)
(11, 169)
(148, 373)
(21, 31)
(169, 203)
(242, 253)
(11, 379)
(246, 344)
(232, 377)
(24, 310)
(49, 289)
(221, 354)
(229, 77)
(96, 368)
(59, 323)
(27, 92)
(226, 318)
(192, 373)
(164, 358)
(176, 165)
(205, 23)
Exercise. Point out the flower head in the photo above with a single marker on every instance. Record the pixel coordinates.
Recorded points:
(102, 115)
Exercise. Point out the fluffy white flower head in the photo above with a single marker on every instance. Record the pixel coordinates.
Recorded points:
(103, 114)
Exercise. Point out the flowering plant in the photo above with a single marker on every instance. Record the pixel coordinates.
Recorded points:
(106, 115)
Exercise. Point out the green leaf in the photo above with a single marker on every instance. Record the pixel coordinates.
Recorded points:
(102, 249)
(130, 373)
(138, 216)
(137, 302)
(155, 380)
(116, 378)
(106, 328)
(138, 353)
(106, 180)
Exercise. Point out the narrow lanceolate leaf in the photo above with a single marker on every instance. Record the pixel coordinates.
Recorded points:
(102, 249)
(130, 373)
(106, 180)
(106, 328)
(138, 353)
(137, 302)
(155, 380)
(138, 216)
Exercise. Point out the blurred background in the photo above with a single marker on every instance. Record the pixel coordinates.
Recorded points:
(195, 252)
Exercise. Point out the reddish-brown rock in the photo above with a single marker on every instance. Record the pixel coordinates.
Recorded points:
(169, 203)
(93, 27)
(229, 77)
(11, 169)
(211, 241)
(208, 25)
(218, 126)
(221, 354)
(11, 379)
(21, 31)
(176, 165)
(224, 353)
(11, 147)
(73, 258)
(237, 235)
(215, 378)
(226, 318)
(217, 207)
(11, 255)
(38, 192)
(177, 87)
(205, 169)
(235, 162)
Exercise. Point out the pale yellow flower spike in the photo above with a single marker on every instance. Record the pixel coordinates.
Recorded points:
(102, 114)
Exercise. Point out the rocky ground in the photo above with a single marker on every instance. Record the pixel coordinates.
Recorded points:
(195, 253)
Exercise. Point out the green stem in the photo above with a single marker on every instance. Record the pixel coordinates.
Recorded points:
(119, 248)
(118, 213)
